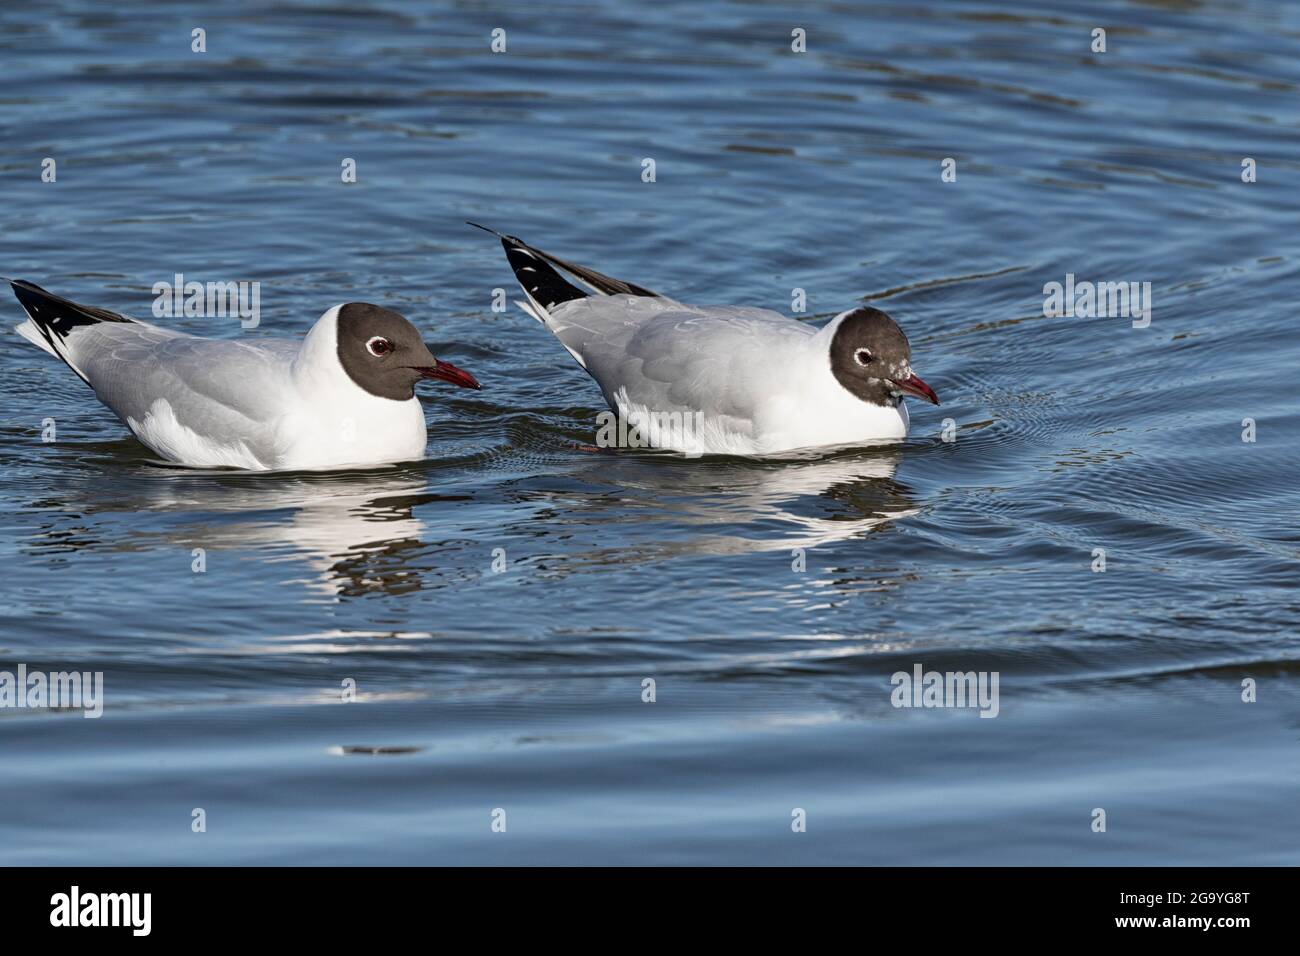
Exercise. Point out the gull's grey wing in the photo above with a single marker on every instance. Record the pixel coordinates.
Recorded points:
(191, 399)
(672, 357)
(155, 379)
(213, 386)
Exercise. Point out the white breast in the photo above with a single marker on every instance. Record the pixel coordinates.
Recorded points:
(367, 430)
(336, 422)
(819, 411)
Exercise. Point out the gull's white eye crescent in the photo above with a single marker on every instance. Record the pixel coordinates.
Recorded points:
(379, 346)
(862, 356)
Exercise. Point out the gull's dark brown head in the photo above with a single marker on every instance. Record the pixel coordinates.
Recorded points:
(870, 357)
(383, 353)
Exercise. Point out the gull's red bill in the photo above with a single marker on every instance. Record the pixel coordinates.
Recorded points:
(914, 386)
(446, 372)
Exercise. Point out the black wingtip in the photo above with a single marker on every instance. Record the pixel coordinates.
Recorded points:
(26, 286)
(57, 314)
(542, 283)
(29, 294)
(537, 262)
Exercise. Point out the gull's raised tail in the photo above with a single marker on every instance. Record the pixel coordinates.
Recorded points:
(544, 286)
(52, 320)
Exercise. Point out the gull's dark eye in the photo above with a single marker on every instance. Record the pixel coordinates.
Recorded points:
(862, 356)
(379, 346)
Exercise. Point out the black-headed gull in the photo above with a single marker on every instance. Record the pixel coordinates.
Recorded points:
(342, 396)
(748, 381)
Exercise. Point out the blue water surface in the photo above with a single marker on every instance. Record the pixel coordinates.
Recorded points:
(516, 693)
